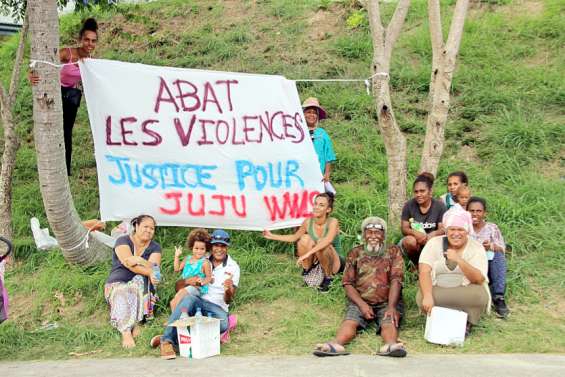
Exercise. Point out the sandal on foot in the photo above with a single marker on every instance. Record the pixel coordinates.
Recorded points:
(328, 349)
(392, 350)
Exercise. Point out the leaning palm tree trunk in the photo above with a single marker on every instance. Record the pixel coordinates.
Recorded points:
(48, 131)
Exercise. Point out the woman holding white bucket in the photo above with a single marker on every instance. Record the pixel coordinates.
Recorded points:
(453, 270)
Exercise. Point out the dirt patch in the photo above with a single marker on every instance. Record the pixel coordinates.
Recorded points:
(523, 8)
(323, 24)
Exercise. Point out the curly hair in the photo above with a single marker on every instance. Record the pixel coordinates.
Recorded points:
(198, 235)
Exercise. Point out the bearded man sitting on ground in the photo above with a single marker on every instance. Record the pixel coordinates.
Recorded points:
(373, 284)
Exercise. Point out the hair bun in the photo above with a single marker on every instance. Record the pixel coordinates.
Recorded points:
(90, 24)
(427, 175)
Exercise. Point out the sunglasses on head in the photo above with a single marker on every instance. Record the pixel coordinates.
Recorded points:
(221, 238)
(374, 226)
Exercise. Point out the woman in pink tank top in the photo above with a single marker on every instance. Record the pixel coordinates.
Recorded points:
(71, 89)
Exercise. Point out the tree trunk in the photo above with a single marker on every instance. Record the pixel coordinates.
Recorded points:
(48, 131)
(394, 140)
(443, 66)
(11, 142)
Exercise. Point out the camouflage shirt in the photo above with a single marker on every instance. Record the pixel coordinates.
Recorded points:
(370, 275)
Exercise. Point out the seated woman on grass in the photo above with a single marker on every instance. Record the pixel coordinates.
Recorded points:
(453, 270)
(421, 218)
(491, 238)
(129, 289)
(317, 242)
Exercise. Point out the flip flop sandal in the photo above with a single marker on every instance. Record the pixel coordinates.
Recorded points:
(331, 352)
(392, 350)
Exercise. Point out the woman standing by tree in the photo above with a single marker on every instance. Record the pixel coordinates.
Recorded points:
(71, 88)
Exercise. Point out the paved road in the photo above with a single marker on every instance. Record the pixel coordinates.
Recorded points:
(260, 366)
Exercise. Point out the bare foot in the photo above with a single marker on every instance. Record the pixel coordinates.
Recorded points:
(127, 340)
(135, 331)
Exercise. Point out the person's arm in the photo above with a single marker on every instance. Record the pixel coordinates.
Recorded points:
(408, 231)
(132, 262)
(333, 229)
(176, 264)
(348, 280)
(286, 237)
(438, 232)
(207, 268)
(472, 273)
(229, 290)
(327, 171)
(425, 281)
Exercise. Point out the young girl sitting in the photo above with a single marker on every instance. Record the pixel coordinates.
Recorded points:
(491, 238)
(194, 266)
(454, 180)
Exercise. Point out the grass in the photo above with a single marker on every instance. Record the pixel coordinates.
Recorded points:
(505, 129)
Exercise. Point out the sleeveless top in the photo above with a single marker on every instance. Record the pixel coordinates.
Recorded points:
(336, 242)
(195, 269)
(70, 73)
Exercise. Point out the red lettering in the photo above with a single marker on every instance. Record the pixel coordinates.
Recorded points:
(176, 209)
(184, 136)
(228, 90)
(182, 95)
(191, 211)
(226, 128)
(157, 139)
(160, 96)
(299, 127)
(243, 212)
(203, 123)
(272, 126)
(296, 206)
(264, 125)
(234, 134)
(247, 129)
(209, 91)
(125, 132)
(222, 200)
(287, 124)
(109, 132)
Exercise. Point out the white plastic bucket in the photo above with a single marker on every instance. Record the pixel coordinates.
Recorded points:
(446, 326)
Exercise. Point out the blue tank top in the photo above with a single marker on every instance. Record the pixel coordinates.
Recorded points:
(195, 269)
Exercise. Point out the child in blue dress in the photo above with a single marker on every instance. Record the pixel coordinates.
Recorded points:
(196, 269)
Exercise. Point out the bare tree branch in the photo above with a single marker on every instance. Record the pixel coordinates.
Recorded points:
(15, 80)
(456, 29)
(395, 25)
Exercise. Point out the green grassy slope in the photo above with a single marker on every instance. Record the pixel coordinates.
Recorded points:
(505, 129)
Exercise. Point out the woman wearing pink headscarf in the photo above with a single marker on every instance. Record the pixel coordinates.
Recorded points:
(453, 270)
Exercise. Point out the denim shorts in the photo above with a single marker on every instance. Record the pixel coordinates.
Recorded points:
(353, 313)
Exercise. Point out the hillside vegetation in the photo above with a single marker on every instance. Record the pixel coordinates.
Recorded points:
(505, 129)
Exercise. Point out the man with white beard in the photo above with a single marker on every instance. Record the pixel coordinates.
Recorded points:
(373, 284)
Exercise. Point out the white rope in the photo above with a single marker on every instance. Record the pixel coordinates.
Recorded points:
(84, 242)
(367, 81)
(33, 63)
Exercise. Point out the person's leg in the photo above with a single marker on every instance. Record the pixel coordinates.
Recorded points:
(497, 284)
(209, 308)
(190, 303)
(69, 117)
(178, 297)
(472, 299)
(346, 332)
(329, 260)
(411, 248)
(304, 245)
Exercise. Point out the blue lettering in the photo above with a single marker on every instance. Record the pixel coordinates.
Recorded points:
(118, 160)
(292, 167)
(201, 175)
(243, 169)
(148, 173)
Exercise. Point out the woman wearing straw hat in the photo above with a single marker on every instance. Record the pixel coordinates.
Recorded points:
(323, 146)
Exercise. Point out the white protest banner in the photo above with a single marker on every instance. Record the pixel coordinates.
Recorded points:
(199, 148)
